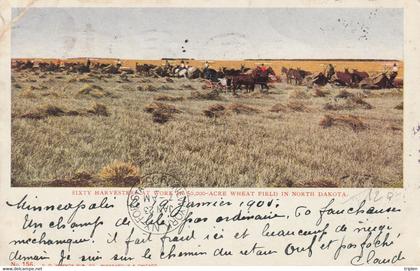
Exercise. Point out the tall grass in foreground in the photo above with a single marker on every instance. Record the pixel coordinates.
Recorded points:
(268, 141)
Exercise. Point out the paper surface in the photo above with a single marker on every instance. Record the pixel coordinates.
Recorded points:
(249, 185)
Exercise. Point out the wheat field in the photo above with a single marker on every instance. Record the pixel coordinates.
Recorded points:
(313, 66)
(87, 130)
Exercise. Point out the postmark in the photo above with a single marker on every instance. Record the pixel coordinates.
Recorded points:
(158, 210)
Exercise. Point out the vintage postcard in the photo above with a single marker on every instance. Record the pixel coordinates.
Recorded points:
(146, 133)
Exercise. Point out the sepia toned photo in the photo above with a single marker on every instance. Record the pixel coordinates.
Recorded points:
(217, 97)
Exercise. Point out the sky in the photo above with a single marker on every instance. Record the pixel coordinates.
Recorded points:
(209, 33)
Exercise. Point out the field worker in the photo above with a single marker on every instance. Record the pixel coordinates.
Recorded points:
(206, 65)
(395, 68)
(88, 62)
(329, 71)
(386, 69)
(223, 83)
(182, 64)
(119, 62)
(167, 65)
(263, 68)
(394, 72)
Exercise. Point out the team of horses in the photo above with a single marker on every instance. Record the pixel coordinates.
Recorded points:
(227, 78)
(346, 78)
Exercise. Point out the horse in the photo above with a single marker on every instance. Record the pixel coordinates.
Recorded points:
(320, 79)
(81, 68)
(304, 73)
(144, 69)
(261, 76)
(212, 74)
(247, 80)
(97, 66)
(329, 71)
(18, 65)
(229, 74)
(343, 78)
(193, 73)
(181, 72)
(377, 82)
(42, 66)
(284, 70)
(296, 75)
(48, 67)
(112, 69)
(160, 71)
(24, 65)
(163, 71)
(357, 76)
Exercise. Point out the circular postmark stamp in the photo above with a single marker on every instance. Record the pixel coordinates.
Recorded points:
(158, 210)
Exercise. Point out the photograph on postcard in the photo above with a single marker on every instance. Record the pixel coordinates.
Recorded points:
(217, 97)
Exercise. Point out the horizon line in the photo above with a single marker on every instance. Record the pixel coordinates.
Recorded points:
(246, 59)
